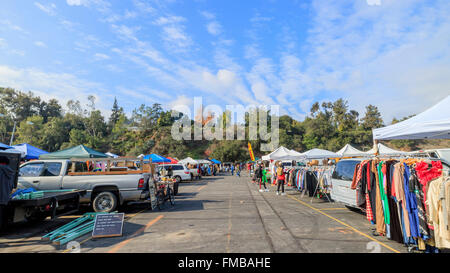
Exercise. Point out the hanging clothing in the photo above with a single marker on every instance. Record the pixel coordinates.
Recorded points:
(437, 214)
(7, 177)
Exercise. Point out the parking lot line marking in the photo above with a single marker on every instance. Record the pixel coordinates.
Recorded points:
(230, 224)
(342, 223)
(141, 230)
(202, 187)
(334, 209)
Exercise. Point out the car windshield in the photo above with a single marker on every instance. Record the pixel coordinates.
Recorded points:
(444, 154)
(345, 169)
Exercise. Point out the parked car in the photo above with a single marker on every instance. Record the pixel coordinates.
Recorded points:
(342, 178)
(103, 192)
(180, 173)
(194, 172)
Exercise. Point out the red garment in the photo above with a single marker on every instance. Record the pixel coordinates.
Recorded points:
(369, 212)
(368, 176)
(425, 173)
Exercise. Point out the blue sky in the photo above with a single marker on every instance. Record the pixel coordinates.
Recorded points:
(394, 54)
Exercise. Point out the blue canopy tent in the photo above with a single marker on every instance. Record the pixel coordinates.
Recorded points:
(156, 158)
(4, 146)
(30, 151)
(215, 161)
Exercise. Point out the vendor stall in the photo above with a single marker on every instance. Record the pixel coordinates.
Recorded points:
(350, 151)
(79, 151)
(30, 152)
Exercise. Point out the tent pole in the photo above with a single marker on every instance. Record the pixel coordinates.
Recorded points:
(375, 147)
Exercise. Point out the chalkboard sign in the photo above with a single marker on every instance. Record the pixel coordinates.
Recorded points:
(108, 225)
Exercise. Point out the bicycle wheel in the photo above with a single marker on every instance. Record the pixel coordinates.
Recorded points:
(171, 196)
(160, 198)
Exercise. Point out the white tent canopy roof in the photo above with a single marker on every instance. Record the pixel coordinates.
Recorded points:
(434, 123)
(188, 160)
(203, 161)
(14, 151)
(111, 155)
(349, 150)
(319, 154)
(384, 150)
(282, 153)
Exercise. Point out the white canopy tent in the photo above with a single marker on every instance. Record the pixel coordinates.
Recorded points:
(434, 123)
(111, 155)
(319, 154)
(282, 153)
(188, 160)
(384, 150)
(15, 151)
(350, 151)
(203, 161)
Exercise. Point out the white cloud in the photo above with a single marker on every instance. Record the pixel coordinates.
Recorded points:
(214, 28)
(12, 26)
(177, 40)
(208, 15)
(62, 86)
(50, 9)
(75, 2)
(373, 2)
(3, 43)
(169, 20)
(101, 5)
(40, 44)
(381, 56)
(101, 57)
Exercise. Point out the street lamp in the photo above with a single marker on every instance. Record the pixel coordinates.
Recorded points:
(14, 129)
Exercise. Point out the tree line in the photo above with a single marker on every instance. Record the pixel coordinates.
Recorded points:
(49, 126)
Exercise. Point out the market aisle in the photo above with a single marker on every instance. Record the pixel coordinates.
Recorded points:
(208, 217)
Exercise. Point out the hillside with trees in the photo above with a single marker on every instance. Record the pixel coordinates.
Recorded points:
(51, 127)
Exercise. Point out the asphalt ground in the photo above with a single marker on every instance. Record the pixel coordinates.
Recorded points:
(222, 214)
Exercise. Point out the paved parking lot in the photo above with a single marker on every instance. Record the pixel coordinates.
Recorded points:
(224, 214)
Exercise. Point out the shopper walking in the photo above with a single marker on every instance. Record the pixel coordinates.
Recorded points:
(258, 175)
(264, 178)
(238, 170)
(232, 169)
(280, 180)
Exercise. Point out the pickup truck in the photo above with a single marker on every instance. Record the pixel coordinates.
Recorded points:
(103, 192)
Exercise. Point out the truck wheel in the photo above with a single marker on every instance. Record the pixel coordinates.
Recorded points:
(104, 202)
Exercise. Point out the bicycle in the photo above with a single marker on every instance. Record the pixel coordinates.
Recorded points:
(164, 193)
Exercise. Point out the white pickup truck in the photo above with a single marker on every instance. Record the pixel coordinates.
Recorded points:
(104, 192)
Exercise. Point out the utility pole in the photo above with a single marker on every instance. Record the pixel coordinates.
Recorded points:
(12, 136)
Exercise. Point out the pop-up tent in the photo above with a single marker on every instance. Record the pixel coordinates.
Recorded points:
(434, 123)
(111, 155)
(282, 153)
(4, 146)
(319, 154)
(215, 161)
(203, 161)
(30, 151)
(156, 158)
(350, 151)
(384, 150)
(172, 160)
(79, 151)
(188, 160)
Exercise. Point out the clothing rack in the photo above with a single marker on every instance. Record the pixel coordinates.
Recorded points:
(318, 172)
